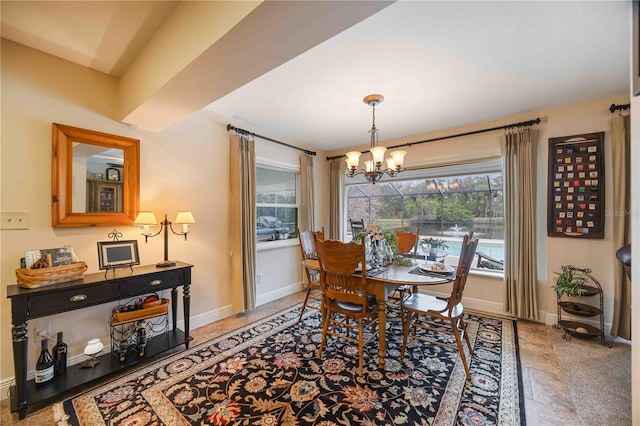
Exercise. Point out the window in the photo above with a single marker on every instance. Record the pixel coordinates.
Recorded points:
(443, 203)
(276, 204)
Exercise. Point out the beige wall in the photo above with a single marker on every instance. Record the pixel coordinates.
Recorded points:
(484, 291)
(185, 167)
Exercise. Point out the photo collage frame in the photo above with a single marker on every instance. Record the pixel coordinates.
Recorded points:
(576, 186)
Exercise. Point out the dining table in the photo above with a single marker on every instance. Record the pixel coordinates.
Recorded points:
(394, 274)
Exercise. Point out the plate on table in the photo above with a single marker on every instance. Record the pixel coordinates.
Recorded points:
(436, 267)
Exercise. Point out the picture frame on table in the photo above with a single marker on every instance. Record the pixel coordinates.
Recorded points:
(118, 254)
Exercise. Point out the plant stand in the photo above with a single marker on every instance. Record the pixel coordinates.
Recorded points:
(574, 327)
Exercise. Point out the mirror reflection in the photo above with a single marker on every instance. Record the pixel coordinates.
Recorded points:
(97, 179)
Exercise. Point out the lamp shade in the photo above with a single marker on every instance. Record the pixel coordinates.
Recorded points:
(398, 157)
(93, 347)
(184, 217)
(353, 158)
(369, 166)
(378, 154)
(145, 218)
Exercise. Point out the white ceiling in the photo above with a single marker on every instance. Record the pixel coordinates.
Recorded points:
(438, 64)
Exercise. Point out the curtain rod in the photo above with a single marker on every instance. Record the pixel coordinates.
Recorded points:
(506, 126)
(246, 132)
(621, 107)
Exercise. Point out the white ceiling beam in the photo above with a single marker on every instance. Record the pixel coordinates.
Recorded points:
(271, 34)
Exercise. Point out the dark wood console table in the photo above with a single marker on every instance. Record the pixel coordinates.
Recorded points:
(93, 289)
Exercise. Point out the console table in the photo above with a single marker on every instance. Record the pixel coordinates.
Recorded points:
(93, 289)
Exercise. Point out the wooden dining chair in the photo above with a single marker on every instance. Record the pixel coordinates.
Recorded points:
(308, 247)
(345, 294)
(357, 226)
(418, 309)
(407, 244)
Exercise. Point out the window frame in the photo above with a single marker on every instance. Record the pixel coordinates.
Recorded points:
(479, 167)
(267, 163)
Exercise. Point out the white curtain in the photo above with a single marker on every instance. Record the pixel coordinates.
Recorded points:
(243, 222)
(336, 197)
(307, 203)
(621, 175)
(520, 263)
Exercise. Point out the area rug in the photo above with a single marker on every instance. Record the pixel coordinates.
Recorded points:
(267, 373)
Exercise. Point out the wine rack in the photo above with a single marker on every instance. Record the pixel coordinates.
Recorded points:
(131, 337)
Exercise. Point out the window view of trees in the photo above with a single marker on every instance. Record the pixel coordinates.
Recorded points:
(276, 204)
(441, 207)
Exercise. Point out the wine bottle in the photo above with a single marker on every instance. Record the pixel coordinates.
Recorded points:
(44, 366)
(141, 337)
(60, 357)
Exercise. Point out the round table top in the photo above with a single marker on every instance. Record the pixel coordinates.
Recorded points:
(397, 274)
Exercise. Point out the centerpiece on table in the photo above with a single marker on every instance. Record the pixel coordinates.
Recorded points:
(381, 247)
(431, 245)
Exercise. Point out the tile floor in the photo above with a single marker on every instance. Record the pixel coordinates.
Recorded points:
(546, 398)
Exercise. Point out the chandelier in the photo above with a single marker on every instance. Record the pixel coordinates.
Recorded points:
(373, 170)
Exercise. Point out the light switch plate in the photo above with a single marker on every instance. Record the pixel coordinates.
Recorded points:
(14, 219)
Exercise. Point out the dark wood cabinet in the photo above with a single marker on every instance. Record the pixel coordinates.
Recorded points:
(93, 289)
(104, 196)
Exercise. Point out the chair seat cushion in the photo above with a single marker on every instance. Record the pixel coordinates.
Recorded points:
(426, 303)
(354, 307)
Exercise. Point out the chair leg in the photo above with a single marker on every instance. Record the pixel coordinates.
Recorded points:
(405, 316)
(463, 357)
(325, 329)
(360, 345)
(463, 327)
(304, 304)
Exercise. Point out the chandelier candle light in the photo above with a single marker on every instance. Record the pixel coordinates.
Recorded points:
(373, 170)
(147, 219)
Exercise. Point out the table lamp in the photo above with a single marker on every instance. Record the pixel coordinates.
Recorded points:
(93, 348)
(147, 219)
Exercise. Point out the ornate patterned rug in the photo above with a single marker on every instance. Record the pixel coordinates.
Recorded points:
(267, 373)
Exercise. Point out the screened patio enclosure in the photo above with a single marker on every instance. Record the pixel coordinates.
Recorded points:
(444, 207)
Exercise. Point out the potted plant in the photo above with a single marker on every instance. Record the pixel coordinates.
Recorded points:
(570, 282)
(431, 245)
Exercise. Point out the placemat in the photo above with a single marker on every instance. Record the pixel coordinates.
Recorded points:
(419, 271)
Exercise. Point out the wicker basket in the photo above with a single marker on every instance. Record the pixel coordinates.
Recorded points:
(34, 278)
(118, 318)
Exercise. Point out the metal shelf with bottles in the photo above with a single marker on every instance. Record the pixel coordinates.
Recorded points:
(567, 302)
(137, 325)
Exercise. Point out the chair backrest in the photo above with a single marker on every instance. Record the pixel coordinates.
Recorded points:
(338, 264)
(319, 234)
(357, 226)
(307, 244)
(467, 254)
(405, 241)
(624, 256)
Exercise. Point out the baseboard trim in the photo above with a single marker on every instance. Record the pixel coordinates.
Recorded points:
(263, 298)
(207, 317)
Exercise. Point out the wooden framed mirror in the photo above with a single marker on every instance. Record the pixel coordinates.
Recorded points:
(95, 178)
